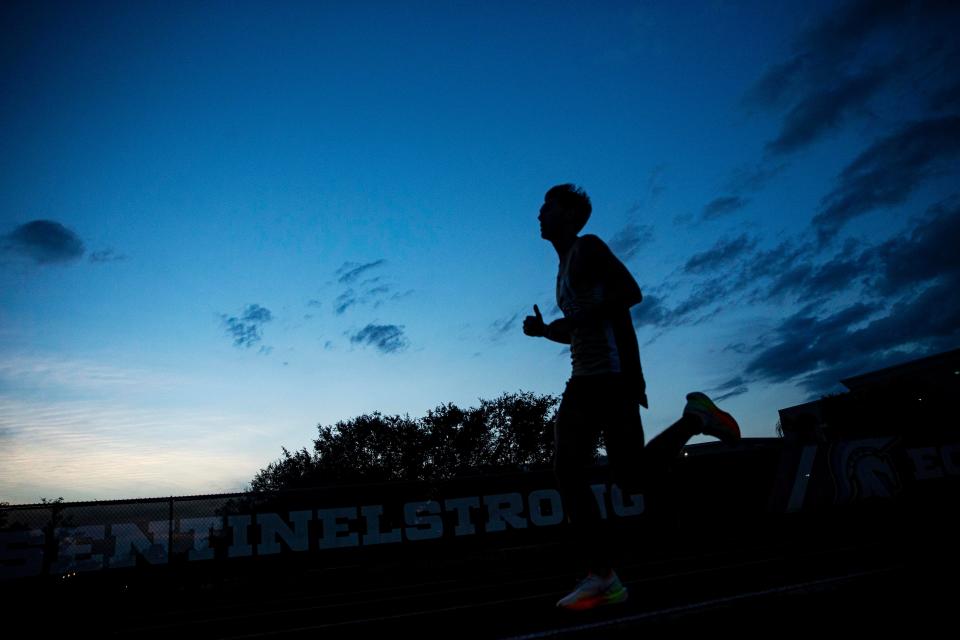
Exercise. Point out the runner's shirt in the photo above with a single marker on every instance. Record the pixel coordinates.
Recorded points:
(590, 275)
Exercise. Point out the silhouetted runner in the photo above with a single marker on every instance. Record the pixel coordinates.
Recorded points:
(595, 292)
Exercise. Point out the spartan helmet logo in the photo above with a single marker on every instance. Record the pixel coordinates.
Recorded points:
(864, 469)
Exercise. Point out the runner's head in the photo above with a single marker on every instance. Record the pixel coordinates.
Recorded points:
(566, 209)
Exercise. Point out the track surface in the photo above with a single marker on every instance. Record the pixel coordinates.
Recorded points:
(787, 584)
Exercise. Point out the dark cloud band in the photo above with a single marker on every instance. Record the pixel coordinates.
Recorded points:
(44, 242)
(889, 171)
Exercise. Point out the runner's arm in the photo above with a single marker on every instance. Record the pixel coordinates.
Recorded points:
(558, 331)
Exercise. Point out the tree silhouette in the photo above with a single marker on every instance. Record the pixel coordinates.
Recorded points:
(511, 432)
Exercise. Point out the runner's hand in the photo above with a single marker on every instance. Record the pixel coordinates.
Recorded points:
(534, 325)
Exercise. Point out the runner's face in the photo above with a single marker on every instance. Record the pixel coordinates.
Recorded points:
(553, 220)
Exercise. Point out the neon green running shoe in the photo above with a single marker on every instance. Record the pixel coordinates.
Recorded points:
(716, 423)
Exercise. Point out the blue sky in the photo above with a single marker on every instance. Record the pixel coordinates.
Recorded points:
(225, 223)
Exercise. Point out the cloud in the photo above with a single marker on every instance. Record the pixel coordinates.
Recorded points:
(832, 71)
(500, 328)
(822, 110)
(752, 179)
(732, 268)
(650, 312)
(806, 281)
(888, 171)
(106, 255)
(805, 342)
(774, 262)
(344, 301)
(742, 180)
(722, 206)
(897, 282)
(742, 348)
(927, 252)
(313, 302)
(828, 45)
(630, 239)
(106, 448)
(246, 329)
(946, 99)
(387, 338)
(794, 271)
(734, 273)
(400, 295)
(838, 33)
(28, 372)
(350, 271)
(723, 252)
(731, 388)
(368, 291)
(376, 296)
(43, 242)
(655, 186)
(819, 351)
(775, 84)
(706, 294)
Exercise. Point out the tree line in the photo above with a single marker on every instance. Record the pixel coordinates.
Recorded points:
(511, 432)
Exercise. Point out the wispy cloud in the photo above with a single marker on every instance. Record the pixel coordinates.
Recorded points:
(825, 109)
(805, 280)
(106, 255)
(804, 342)
(721, 254)
(776, 84)
(368, 291)
(503, 326)
(927, 252)
(735, 273)
(386, 338)
(350, 271)
(731, 388)
(889, 171)
(742, 181)
(703, 302)
(629, 240)
(724, 205)
(375, 296)
(655, 182)
(820, 350)
(90, 450)
(773, 262)
(246, 330)
(344, 301)
(907, 308)
(848, 56)
(650, 312)
(44, 373)
(824, 49)
(43, 242)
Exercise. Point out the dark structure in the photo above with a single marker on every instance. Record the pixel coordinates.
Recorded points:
(910, 399)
